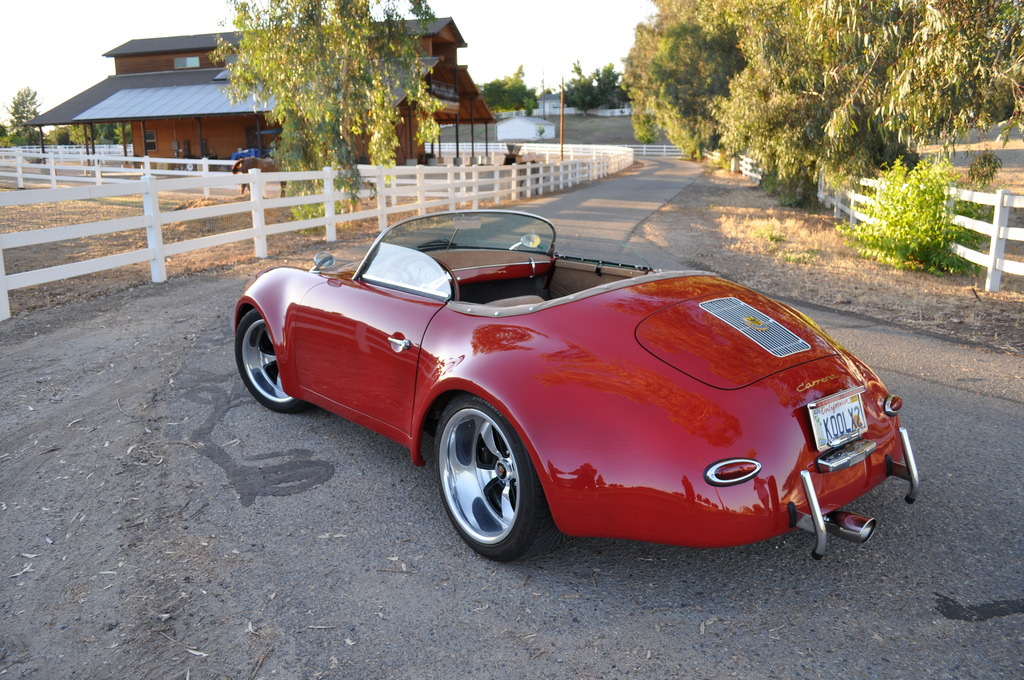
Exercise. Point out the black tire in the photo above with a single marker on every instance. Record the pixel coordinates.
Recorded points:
(489, 487)
(256, 358)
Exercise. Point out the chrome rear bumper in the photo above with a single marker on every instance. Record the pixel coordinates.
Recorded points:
(847, 525)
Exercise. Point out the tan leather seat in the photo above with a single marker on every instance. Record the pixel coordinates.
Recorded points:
(520, 300)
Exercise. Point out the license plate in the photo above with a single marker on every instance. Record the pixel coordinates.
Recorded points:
(838, 419)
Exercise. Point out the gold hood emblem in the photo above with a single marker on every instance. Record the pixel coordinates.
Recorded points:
(755, 323)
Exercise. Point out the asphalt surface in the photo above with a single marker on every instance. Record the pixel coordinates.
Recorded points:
(173, 528)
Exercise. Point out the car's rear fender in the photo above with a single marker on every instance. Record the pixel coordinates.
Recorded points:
(621, 441)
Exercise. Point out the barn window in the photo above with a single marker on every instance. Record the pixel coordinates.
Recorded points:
(186, 62)
(150, 140)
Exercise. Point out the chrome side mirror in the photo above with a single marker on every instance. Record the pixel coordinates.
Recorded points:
(322, 260)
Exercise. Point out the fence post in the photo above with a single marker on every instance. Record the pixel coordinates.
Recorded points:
(421, 187)
(331, 233)
(154, 230)
(53, 171)
(997, 246)
(146, 165)
(205, 164)
(475, 174)
(5, 298)
(451, 187)
(382, 199)
(19, 159)
(259, 219)
(99, 169)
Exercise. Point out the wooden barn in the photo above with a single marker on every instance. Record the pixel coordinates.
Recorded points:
(171, 94)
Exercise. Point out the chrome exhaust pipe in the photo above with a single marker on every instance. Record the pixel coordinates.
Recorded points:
(849, 526)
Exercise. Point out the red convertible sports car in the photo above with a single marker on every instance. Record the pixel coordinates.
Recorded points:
(573, 396)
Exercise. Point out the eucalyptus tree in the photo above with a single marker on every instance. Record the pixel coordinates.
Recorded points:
(333, 72)
(840, 86)
(677, 70)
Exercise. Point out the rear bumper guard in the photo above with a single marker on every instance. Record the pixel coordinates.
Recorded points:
(847, 525)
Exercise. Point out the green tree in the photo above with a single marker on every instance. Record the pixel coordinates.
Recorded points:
(333, 72)
(23, 108)
(850, 86)
(645, 127)
(678, 69)
(510, 93)
(841, 86)
(600, 88)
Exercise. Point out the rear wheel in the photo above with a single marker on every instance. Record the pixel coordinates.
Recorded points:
(256, 358)
(488, 485)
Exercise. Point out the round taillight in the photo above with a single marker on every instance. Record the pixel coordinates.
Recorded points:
(893, 404)
(731, 471)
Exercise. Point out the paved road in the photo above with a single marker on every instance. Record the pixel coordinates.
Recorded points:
(174, 528)
(598, 219)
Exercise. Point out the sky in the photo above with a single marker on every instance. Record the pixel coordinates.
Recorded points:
(56, 47)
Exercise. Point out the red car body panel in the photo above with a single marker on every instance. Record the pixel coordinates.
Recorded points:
(620, 423)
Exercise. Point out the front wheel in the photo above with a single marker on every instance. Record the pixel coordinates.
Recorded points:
(256, 358)
(488, 485)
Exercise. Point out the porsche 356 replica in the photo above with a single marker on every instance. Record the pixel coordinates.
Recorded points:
(573, 396)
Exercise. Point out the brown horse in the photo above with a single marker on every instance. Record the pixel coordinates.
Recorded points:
(251, 162)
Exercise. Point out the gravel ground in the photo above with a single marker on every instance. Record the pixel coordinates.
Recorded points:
(157, 523)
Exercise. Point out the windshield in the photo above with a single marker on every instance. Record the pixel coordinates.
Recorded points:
(483, 229)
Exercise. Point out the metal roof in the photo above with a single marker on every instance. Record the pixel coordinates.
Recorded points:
(209, 41)
(166, 102)
(177, 43)
(74, 109)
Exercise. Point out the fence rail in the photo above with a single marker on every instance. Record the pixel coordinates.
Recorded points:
(33, 168)
(849, 202)
(386, 191)
(745, 165)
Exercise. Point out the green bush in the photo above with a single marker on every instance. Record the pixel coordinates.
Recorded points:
(910, 225)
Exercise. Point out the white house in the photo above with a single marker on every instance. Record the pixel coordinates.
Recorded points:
(525, 127)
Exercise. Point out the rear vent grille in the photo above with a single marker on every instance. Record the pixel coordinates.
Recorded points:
(757, 326)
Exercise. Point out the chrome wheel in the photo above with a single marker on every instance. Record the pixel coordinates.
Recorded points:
(479, 476)
(257, 364)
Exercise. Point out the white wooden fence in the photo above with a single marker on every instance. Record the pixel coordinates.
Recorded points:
(999, 231)
(554, 151)
(29, 169)
(108, 149)
(387, 191)
(745, 165)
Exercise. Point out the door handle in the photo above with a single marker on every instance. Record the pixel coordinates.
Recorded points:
(399, 344)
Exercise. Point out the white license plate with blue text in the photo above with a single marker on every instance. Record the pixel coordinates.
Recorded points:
(838, 419)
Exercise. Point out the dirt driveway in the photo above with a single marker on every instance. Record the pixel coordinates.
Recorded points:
(150, 529)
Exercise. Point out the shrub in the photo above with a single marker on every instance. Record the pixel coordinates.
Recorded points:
(910, 225)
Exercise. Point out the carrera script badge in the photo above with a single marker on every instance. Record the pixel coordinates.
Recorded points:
(803, 387)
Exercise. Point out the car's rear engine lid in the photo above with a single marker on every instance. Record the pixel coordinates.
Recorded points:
(759, 327)
(728, 342)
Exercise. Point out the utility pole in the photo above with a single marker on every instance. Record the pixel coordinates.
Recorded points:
(561, 123)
